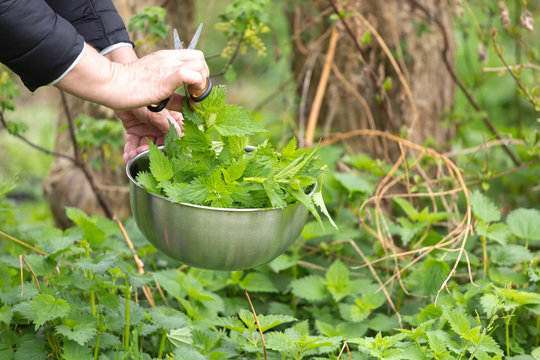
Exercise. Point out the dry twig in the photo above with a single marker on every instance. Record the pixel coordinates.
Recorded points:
(258, 325)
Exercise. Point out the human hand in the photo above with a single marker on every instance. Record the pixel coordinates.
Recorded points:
(142, 125)
(148, 80)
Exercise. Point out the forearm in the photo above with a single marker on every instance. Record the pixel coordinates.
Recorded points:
(97, 79)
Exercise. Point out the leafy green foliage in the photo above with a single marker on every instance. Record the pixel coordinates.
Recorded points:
(152, 23)
(210, 166)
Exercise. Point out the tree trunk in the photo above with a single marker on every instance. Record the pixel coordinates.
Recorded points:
(65, 184)
(352, 99)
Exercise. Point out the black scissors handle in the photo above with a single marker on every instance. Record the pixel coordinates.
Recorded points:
(205, 94)
(164, 102)
(160, 106)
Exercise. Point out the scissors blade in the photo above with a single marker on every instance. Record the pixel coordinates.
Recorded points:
(177, 42)
(196, 37)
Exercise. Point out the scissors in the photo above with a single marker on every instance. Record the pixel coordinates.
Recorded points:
(178, 46)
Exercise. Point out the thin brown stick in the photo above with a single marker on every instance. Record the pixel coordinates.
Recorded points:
(378, 279)
(309, 265)
(138, 261)
(458, 234)
(501, 57)
(484, 146)
(321, 88)
(36, 146)
(310, 64)
(81, 164)
(160, 291)
(231, 60)
(372, 74)
(371, 121)
(22, 277)
(258, 325)
(504, 68)
(31, 270)
(457, 81)
(22, 243)
(397, 69)
(345, 346)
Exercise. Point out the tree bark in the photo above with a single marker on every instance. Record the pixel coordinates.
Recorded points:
(65, 184)
(353, 99)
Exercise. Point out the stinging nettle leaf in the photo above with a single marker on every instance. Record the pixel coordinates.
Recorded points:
(483, 208)
(525, 223)
(45, 307)
(160, 167)
(311, 288)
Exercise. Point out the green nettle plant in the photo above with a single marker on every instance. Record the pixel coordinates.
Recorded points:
(212, 165)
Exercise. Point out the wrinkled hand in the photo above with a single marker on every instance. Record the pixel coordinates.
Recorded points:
(142, 125)
(162, 72)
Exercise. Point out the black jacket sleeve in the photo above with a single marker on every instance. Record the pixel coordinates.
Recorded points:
(96, 20)
(35, 42)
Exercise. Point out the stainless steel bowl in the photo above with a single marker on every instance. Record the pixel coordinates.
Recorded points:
(213, 238)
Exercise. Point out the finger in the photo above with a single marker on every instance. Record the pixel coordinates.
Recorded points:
(193, 78)
(176, 102)
(160, 141)
(130, 148)
(159, 120)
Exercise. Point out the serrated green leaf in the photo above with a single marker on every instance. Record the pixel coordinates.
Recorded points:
(180, 337)
(411, 212)
(73, 351)
(458, 321)
(337, 280)
(98, 264)
(510, 254)
(81, 333)
(45, 307)
(311, 288)
(525, 223)
(195, 138)
(536, 353)
(275, 194)
(258, 282)
(490, 304)
(232, 120)
(437, 340)
(483, 208)
(167, 318)
(6, 314)
(434, 273)
(160, 167)
(175, 191)
(268, 322)
(498, 232)
(231, 323)
(196, 192)
(188, 353)
(326, 329)
(30, 349)
(148, 182)
(278, 341)
(171, 144)
(505, 276)
(319, 201)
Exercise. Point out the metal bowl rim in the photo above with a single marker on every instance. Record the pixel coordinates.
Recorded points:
(145, 152)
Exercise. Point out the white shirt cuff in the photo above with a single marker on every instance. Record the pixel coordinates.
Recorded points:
(110, 48)
(73, 64)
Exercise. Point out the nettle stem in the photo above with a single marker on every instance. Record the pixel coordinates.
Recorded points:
(162, 343)
(90, 276)
(485, 254)
(98, 338)
(127, 293)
